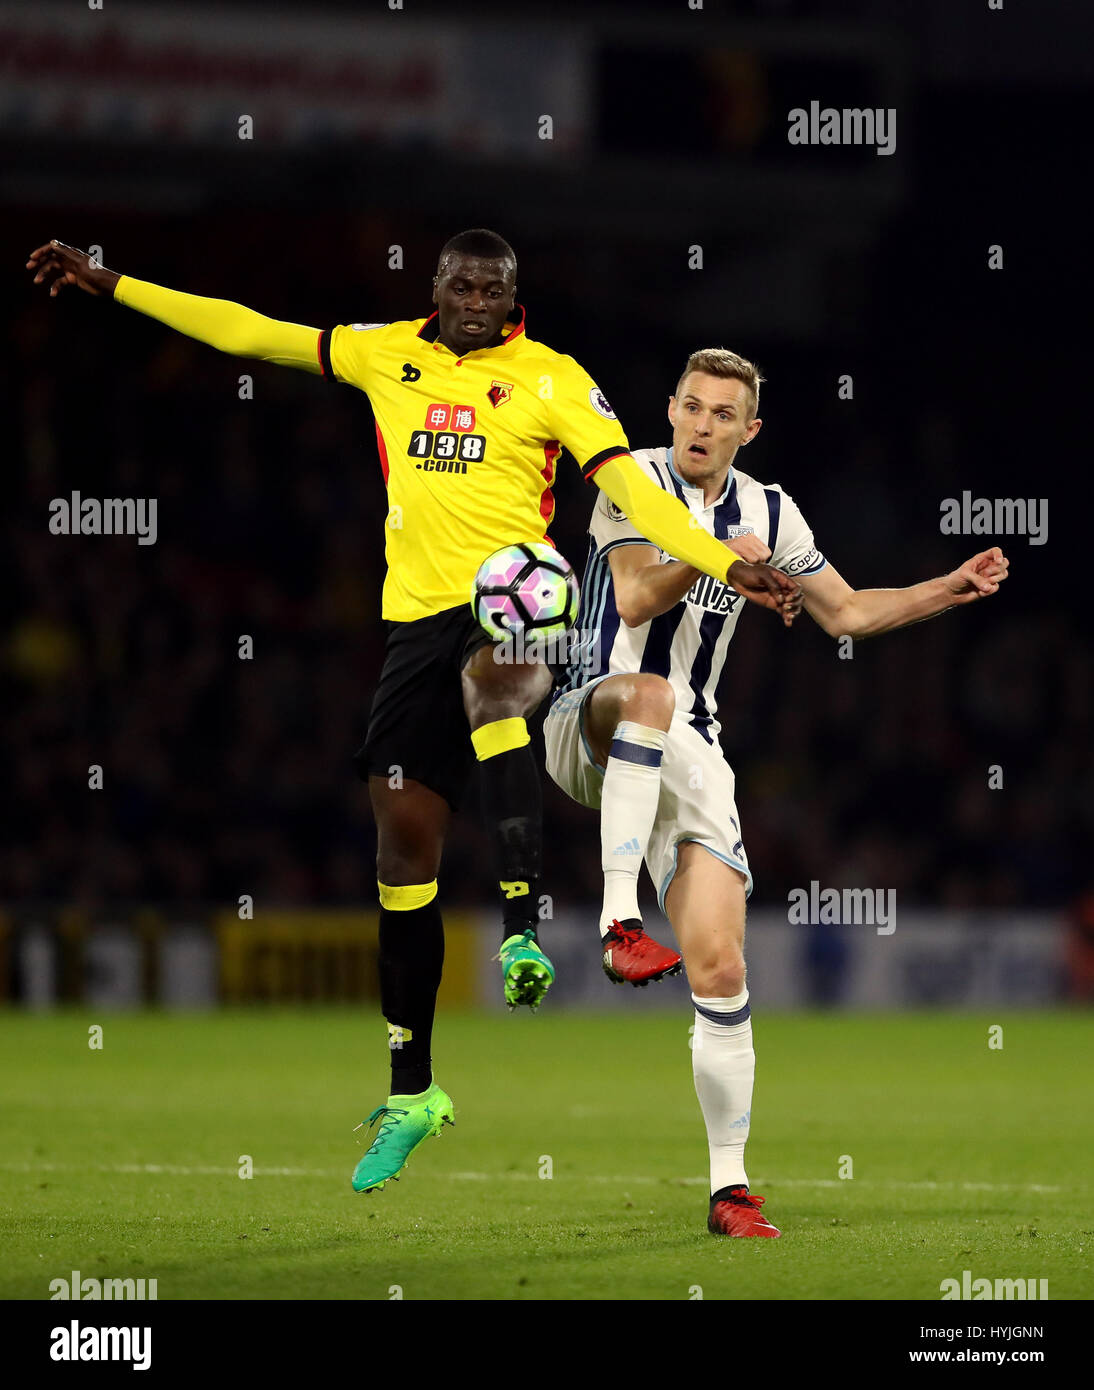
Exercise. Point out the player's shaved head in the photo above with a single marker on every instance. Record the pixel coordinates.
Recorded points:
(474, 290)
(479, 244)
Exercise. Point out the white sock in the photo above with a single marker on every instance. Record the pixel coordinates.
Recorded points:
(724, 1065)
(628, 805)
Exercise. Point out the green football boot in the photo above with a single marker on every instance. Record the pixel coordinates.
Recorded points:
(405, 1121)
(527, 972)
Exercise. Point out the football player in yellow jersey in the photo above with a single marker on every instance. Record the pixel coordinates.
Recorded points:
(471, 415)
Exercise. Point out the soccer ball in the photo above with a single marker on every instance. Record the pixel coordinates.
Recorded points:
(527, 588)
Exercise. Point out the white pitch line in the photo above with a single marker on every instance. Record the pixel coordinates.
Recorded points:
(631, 1180)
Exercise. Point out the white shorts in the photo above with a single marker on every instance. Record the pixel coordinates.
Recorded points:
(697, 788)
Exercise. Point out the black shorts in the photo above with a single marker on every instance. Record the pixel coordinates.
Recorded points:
(417, 723)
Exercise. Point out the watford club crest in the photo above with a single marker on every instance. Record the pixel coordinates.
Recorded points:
(499, 393)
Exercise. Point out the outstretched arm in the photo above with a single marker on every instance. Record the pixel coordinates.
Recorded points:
(846, 612)
(223, 325)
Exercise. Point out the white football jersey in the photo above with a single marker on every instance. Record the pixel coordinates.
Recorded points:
(688, 644)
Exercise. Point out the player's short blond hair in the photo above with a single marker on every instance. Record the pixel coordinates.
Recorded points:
(721, 362)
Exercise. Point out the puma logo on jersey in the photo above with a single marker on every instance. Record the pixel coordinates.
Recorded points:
(410, 372)
(515, 889)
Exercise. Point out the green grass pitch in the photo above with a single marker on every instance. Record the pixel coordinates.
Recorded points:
(124, 1161)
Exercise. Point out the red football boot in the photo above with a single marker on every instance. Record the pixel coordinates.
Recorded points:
(631, 955)
(739, 1215)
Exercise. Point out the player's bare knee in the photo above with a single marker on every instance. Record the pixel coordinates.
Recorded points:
(718, 978)
(535, 685)
(648, 700)
(493, 691)
(405, 855)
(400, 870)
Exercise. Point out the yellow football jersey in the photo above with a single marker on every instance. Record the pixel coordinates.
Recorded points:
(469, 444)
(468, 447)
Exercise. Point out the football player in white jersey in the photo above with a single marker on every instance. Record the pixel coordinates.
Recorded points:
(633, 731)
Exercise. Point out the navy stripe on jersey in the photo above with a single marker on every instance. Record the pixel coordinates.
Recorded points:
(657, 658)
(569, 679)
(661, 478)
(607, 627)
(597, 622)
(593, 652)
(726, 514)
(774, 506)
(677, 485)
(710, 629)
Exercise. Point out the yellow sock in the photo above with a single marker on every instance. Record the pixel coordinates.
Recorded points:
(499, 737)
(407, 897)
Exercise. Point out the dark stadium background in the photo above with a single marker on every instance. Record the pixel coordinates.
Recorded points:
(226, 777)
